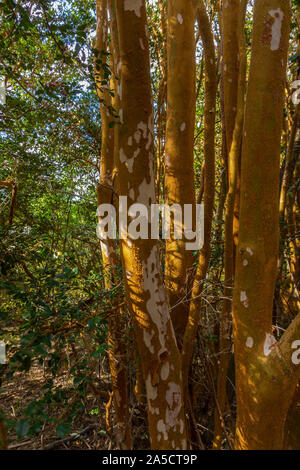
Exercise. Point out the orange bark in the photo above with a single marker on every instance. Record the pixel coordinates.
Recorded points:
(146, 296)
(209, 186)
(230, 64)
(179, 169)
(265, 371)
(105, 191)
(225, 328)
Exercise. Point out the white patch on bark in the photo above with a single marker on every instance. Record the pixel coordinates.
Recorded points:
(181, 426)
(268, 344)
(130, 161)
(244, 299)
(276, 28)
(151, 395)
(165, 370)
(120, 89)
(245, 262)
(180, 18)
(249, 342)
(183, 127)
(146, 193)
(149, 141)
(161, 427)
(174, 400)
(141, 130)
(148, 339)
(249, 251)
(142, 126)
(133, 5)
(146, 190)
(122, 155)
(137, 137)
(157, 304)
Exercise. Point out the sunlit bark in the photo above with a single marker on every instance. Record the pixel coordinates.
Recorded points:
(265, 372)
(179, 168)
(146, 296)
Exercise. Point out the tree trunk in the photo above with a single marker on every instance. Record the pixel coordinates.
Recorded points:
(225, 328)
(265, 373)
(145, 292)
(105, 191)
(209, 186)
(230, 18)
(179, 168)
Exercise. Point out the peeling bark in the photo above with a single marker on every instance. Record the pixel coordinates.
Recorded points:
(146, 296)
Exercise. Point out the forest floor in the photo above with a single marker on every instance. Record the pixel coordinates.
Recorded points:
(88, 430)
(27, 387)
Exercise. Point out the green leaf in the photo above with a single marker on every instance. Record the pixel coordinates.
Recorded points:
(62, 430)
(22, 428)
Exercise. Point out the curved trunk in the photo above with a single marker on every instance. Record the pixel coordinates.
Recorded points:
(265, 373)
(146, 296)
